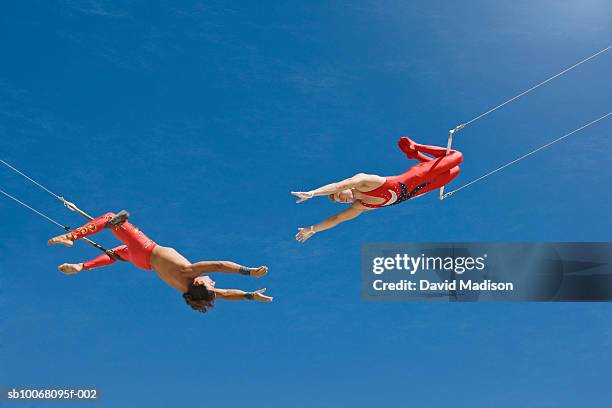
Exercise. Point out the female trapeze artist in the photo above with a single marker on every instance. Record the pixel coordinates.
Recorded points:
(368, 192)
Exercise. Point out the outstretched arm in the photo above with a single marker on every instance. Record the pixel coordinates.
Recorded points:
(203, 267)
(346, 215)
(236, 294)
(358, 180)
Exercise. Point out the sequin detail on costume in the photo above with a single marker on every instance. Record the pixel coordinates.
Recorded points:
(405, 195)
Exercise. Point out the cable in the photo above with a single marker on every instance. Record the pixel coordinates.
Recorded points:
(534, 87)
(31, 179)
(525, 155)
(34, 210)
(68, 204)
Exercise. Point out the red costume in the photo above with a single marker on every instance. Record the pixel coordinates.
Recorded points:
(429, 174)
(137, 248)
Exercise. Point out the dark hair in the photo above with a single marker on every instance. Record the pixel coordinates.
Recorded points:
(199, 298)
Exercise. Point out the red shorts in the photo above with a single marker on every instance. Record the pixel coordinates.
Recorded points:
(138, 246)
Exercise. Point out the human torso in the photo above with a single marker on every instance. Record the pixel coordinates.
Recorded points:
(169, 265)
(396, 189)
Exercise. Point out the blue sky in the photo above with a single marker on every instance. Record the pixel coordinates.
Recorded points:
(200, 117)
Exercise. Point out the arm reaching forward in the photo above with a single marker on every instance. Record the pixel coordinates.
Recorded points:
(356, 182)
(199, 268)
(346, 215)
(235, 294)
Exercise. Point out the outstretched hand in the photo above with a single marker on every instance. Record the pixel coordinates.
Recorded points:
(259, 272)
(259, 296)
(304, 233)
(302, 195)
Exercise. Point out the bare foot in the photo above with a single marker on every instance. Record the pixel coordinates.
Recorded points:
(259, 272)
(61, 239)
(70, 269)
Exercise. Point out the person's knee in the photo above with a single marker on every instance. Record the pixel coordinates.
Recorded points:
(444, 163)
(455, 158)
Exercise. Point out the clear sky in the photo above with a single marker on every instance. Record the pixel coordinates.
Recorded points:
(200, 117)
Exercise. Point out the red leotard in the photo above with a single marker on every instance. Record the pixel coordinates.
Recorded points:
(430, 174)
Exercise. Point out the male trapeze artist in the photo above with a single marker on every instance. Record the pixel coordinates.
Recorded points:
(173, 268)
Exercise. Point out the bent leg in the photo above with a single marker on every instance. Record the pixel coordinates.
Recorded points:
(443, 179)
(408, 146)
(454, 157)
(440, 180)
(103, 260)
(435, 151)
(92, 227)
(441, 165)
(139, 244)
(416, 151)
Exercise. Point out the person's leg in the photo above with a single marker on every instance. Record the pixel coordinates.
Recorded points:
(415, 151)
(140, 245)
(98, 262)
(409, 148)
(443, 179)
(440, 165)
(435, 151)
(437, 171)
(92, 227)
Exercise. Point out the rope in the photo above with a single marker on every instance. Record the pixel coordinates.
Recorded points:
(526, 155)
(31, 179)
(533, 87)
(34, 210)
(68, 204)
